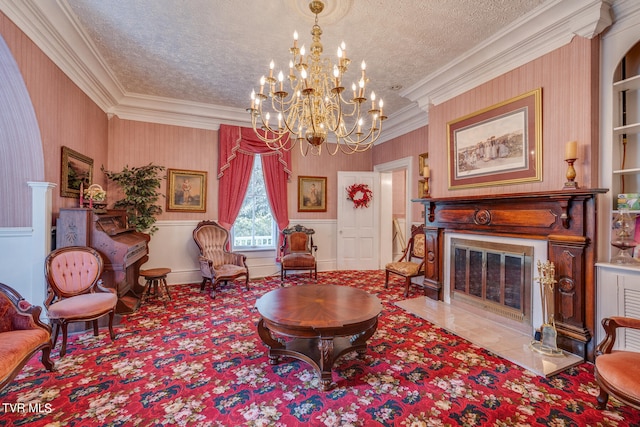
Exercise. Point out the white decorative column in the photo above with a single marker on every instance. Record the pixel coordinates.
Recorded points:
(41, 215)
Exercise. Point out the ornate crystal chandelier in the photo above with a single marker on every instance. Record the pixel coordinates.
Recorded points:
(317, 105)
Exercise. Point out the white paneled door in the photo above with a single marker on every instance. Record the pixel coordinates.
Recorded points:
(358, 236)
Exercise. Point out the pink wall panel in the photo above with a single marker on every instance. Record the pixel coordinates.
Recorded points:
(66, 116)
(411, 144)
(568, 77)
(323, 165)
(135, 143)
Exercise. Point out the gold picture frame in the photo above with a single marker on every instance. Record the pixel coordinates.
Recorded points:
(186, 190)
(312, 194)
(75, 169)
(498, 145)
(422, 162)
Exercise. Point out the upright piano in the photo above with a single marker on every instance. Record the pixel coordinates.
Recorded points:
(122, 248)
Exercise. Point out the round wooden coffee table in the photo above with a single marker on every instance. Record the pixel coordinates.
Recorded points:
(317, 324)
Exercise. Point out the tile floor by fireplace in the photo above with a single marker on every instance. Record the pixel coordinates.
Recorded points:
(507, 343)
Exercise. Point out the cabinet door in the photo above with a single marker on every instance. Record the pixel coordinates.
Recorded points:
(629, 306)
(619, 295)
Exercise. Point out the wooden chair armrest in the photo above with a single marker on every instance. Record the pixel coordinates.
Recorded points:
(28, 317)
(101, 288)
(610, 325)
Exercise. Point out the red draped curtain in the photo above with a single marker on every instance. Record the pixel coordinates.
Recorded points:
(238, 146)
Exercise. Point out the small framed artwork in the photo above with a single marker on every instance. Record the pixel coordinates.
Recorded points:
(312, 194)
(76, 171)
(186, 191)
(422, 162)
(499, 145)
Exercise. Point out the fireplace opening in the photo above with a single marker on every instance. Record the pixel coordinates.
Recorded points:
(494, 280)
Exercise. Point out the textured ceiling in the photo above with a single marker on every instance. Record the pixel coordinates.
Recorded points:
(214, 52)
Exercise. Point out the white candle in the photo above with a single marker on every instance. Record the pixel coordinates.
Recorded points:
(425, 172)
(571, 150)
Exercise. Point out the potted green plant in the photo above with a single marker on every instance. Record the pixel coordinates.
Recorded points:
(140, 187)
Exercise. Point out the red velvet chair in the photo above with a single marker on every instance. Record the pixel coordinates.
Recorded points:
(22, 334)
(298, 251)
(617, 372)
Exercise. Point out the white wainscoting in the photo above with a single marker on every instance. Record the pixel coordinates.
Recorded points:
(172, 246)
(16, 263)
(24, 249)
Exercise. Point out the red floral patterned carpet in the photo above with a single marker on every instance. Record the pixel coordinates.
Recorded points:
(200, 362)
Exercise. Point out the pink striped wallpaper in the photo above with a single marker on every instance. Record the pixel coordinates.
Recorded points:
(569, 79)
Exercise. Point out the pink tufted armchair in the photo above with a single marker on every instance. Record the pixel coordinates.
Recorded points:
(75, 292)
(216, 263)
(411, 264)
(22, 334)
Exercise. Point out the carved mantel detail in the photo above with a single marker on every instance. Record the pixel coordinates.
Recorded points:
(565, 219)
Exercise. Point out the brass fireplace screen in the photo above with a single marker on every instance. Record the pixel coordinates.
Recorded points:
(493, 276)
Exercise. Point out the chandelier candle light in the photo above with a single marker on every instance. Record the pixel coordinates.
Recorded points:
(317, 106)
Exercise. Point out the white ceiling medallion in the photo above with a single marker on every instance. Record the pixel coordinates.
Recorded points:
(334, 10)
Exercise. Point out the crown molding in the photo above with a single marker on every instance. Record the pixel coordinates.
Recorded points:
(50, 26)
(526, 39)
(177, 112)
(404, 121)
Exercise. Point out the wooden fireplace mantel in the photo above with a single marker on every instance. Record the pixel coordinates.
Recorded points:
(565, 219)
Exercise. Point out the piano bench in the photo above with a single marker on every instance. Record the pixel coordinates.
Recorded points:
(156, 282)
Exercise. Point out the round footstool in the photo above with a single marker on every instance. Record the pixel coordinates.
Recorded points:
(156, 283)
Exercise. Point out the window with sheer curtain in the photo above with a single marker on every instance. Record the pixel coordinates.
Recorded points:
(254, 227)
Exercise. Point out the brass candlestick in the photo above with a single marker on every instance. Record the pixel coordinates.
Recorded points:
(571, 175)
(426, 187)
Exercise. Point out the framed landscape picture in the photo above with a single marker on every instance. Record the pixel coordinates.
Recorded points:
(76, 170)
(186, 190)
(312, 194)
(499, 145)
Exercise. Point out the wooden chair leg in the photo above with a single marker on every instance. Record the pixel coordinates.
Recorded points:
(386, 279)
(247, 282)
(63, 350)
(56, 330)
(46, 358)
(202, 285)
(602, 399)
(315, 271)
(112, 334)
(407, 283)
(95, 327)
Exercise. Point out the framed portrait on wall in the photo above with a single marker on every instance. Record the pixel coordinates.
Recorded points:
(76, 171)
(186, 190)
(498, 145)
(312, 194)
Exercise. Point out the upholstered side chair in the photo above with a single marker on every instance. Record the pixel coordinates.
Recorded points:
(217, 264)
(298, 251)
(22, 335)
(411, 263)
(75, 292)
(616, 371)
